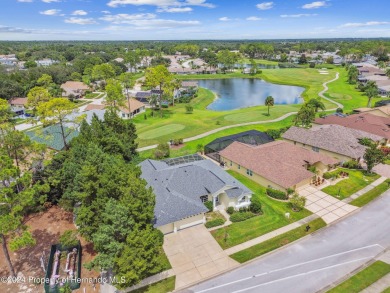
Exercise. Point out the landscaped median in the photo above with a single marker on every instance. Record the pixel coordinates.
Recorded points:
(278, 241)
(363, 279)
(273, 217)
(371, 195)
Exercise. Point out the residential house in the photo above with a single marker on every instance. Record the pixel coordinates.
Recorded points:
(136, 107)
(278, 164)
(76, 89)
(182, 189)
(46, 62)
(365, 122)
(18, 105)
(143, 96)
(339, 142)
(383, 111)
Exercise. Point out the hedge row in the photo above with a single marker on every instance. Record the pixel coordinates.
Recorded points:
(215, 223)
(277, 194)
(241, 216)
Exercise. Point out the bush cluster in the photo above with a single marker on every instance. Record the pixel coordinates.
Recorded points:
(209, 205)
(162, 151)
(241, 216)
(277, 194)
(276, 133)
(351, 165)
(177, 141)
(230, 210)
(215, 223)
(255, 206)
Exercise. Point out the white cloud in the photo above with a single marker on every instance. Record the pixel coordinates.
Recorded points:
(50, 12)
(297, 15)
(225, 18)
(314, 5)
(10, 29)
(25, 1)
(265, 5)
(253, 18)
(161, 3)
(368, 23)
(79, 12)
(106, 12)
(81, 21)
(174, 9)
(127, 18)
(51, 1)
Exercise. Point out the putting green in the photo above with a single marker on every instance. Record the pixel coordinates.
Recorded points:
(161, 131)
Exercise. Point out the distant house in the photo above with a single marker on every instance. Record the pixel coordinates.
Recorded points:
(182, 189)
(75, 88)
(189, 84)
(18, 105)
(136, 107)
(339, 142)
(46, 62)
(383, 111)
(365, 122)
(278, 164)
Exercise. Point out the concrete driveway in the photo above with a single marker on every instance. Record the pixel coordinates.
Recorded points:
(195, 255)
(327, 207)
(383, 170)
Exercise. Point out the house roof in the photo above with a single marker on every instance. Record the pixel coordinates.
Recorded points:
(189, 84)
(335, 138)
(178, 188)
(383, 109)
(134, 105)
(18, 101)
(280, 162)
(365, 122)
(74, 86)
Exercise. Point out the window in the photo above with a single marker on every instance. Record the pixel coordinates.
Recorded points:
(231, 163)
(317, 150)
(295, 143)
(239, 166)
(123, 115)
(249, 172)
(204, 198)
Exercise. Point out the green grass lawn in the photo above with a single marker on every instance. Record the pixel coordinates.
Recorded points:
(190, 147)
(278, 241)
(387, 290)
(370, 195)
(345, 188)
(363, 279)
(202, 119)
(346, 94)
(260, 61)
(163, 286)
(273, 217)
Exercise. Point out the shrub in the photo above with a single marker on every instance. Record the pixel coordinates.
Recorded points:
(181, 141)
(200, 148)
(290, 191)
(209, 205)
(230, 210)
(215, 223)
(297, 202)
(69, 238)
(327, 175)
(189, 109)
(162, 151)
(145, 117)
(218, 122)
(239, 217)
(339, 110)
(164, 106)
(277, 194)
(351, 164)
(322, 115)
(312, 65)
(385, 150)
(255, 206)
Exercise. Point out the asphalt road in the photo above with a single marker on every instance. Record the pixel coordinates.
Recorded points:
(314, 262)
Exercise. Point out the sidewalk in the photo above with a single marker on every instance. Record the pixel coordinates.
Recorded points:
(270, 235)
(364, 190)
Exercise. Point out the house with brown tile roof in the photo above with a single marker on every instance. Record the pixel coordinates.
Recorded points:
(383, 111)
(136, 107)
(18, 105)
(75, 88)
(278, 164)
(339, 142)
(366, 122)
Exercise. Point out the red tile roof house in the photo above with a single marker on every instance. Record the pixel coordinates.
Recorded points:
(339, 142)
(75, 88)
(18, 105)
(278, 164)
(366, 122)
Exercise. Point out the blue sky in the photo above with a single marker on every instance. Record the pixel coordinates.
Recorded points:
(192, 19)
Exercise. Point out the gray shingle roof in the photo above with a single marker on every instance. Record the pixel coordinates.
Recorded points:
(178, 188)
(335, 138)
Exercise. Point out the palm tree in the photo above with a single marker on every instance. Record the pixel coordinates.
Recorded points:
(371, 92)
(317, 104)
(269, 101)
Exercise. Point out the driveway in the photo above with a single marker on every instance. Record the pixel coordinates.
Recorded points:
(195, 255)
(327, 207)
(383, 170)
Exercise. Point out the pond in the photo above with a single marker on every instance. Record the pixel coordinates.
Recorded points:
(236, 93)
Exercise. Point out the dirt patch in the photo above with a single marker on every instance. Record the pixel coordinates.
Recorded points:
(46, 228)
(177, 147)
